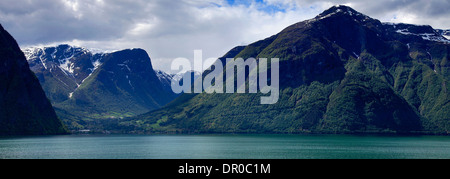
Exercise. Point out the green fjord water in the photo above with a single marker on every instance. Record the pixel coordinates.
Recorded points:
(226, 147)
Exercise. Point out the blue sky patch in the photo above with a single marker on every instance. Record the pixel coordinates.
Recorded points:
(261, 5)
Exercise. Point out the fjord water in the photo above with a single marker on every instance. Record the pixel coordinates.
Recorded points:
(226, 147)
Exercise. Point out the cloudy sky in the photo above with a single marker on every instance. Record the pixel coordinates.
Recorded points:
(168, 29)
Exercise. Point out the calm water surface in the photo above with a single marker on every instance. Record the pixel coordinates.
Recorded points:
(226, 147)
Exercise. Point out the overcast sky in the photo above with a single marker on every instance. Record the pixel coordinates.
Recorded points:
(168, 29)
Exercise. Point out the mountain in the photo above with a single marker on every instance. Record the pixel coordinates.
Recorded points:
(86, 87)
(444, 33)
(166, 79)
(62, 69)
(24, 108)
(340, 72)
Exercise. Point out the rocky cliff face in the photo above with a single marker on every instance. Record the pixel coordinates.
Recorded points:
(24, 108)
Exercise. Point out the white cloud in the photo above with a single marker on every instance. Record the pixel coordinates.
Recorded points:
(171, 29)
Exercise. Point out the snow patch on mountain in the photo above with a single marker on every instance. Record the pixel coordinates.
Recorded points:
(163, 76)
(96, 64)
(66, 65)
(61, 57)
(179, 76)
(425, 36)
(167, 79)
(429, 35)
(124, 65)
(341, 9)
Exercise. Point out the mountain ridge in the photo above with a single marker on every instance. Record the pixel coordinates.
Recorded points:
(85, 86)
(340, 72)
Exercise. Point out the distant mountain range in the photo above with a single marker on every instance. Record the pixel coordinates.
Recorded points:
(86, 88)
(340, 72)
(24, 108)
(166, 79)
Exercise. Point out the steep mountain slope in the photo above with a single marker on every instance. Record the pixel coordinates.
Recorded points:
(340, 72)
(125, 83)
(24, 108)
(85, 87)
(62, 69)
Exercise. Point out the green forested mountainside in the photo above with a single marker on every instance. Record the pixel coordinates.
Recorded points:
(341, 72)
(24, 108)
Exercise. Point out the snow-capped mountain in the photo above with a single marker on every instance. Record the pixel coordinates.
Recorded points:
(166, 78)
(179, 76)
(74, 61)
(95, 85)
(62, 69)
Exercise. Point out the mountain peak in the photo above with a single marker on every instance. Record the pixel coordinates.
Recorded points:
(342, 10)
(339, 8)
